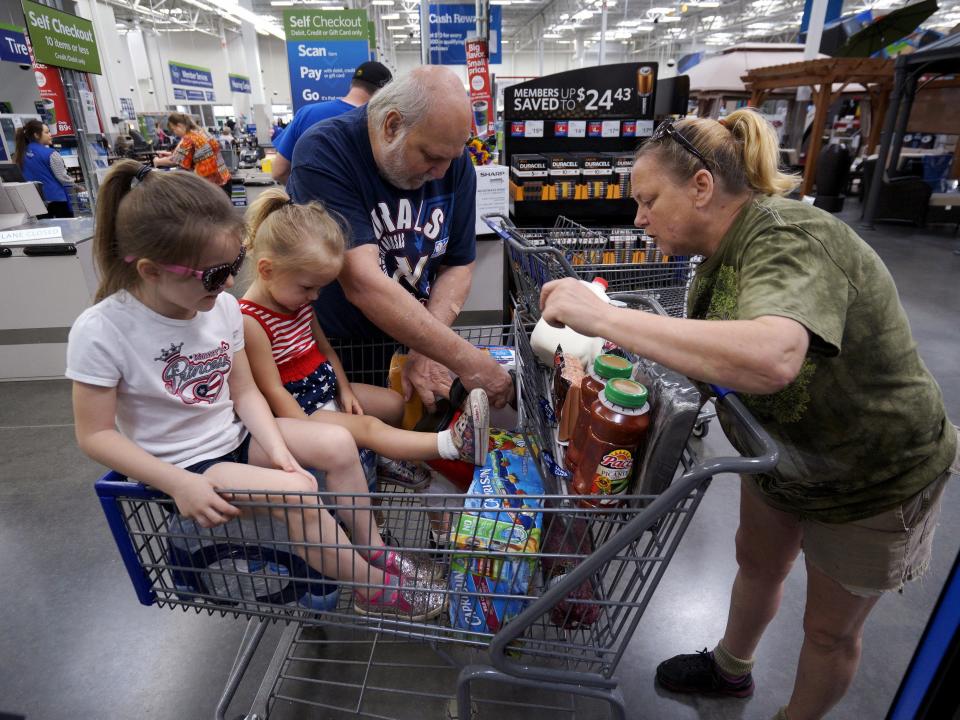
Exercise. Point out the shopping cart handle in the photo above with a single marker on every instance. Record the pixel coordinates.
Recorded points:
(721, 392)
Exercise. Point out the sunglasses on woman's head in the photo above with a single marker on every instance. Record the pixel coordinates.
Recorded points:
(666, 129)
(213, 278)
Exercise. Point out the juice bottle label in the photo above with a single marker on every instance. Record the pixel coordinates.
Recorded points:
(613, 473)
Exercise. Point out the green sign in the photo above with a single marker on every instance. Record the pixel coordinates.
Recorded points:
(60, 39)
(372, 34)
(325, 24)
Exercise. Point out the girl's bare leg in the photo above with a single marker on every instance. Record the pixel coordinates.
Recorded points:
(380, 402)
(371, 432)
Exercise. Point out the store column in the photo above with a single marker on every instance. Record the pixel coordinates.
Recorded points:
(262, 113)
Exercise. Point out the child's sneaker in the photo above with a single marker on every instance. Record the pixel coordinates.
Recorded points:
(402, 472)
(407, 599)
(421, 568)
(471, 428)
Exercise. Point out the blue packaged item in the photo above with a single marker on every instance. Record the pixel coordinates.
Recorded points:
(504, 519)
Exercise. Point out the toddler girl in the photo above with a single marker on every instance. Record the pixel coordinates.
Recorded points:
(296, 250)
(163, 392)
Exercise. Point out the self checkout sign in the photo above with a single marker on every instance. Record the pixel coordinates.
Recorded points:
(625, 90)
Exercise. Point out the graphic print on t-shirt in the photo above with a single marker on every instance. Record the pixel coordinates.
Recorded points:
(196, 378)
(409, 236)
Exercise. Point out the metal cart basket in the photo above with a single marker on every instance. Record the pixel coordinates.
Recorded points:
(550, 621)
(623, 256)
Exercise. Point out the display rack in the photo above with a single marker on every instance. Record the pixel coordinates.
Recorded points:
(596, 110)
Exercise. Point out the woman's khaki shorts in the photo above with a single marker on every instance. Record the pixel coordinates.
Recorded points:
(879, 553)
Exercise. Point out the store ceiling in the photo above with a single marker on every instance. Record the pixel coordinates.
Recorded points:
(645, 27)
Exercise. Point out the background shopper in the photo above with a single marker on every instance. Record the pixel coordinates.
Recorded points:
(197, 151)
(793, 310)
(367, 79)
(40, 163)
(398, 172)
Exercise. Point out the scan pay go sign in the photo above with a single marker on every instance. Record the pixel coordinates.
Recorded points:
(324, 47)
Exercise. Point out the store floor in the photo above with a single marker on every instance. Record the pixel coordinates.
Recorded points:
(75, 643)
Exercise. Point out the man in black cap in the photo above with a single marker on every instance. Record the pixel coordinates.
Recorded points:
(367, 79)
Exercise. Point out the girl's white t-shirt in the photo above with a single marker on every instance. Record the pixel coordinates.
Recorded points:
(173, 394)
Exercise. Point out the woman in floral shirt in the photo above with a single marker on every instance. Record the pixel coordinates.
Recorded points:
(197, 151)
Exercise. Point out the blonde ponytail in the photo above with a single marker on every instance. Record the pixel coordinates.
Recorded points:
(761, 152)
(748, 164)
(294, 236)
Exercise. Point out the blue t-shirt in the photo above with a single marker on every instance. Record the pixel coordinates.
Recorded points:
(417, 231)
(305, 118)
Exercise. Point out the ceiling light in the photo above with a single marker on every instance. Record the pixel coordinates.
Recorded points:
(564, 42)
(565, 16)
(396, 27)
(390, 16)
(501, 2)
(551, 36)
(381, 2)
(582, 15)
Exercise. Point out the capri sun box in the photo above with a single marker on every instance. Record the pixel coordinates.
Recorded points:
(503, 528)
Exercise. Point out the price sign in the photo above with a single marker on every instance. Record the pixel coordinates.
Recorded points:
(623, 91)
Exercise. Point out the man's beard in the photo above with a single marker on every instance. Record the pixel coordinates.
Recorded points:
(393, 168)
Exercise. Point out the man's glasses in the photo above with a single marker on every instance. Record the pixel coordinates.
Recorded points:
(213, 278)
(666, 129)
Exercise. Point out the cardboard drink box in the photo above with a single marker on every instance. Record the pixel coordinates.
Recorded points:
(504, 520)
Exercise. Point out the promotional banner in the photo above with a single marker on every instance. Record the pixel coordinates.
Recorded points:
(239, 83)
(54, 100)
(190, 75)
(624, 91)
(450, 25)
(13, 45)
(324, 47)
(478, 75)
(60, 39)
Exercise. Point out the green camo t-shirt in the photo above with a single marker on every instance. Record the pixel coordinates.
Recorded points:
(863, 426)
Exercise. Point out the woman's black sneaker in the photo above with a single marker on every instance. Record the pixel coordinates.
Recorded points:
(698, 673)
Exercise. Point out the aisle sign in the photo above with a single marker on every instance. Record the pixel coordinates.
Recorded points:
(324, 47)
(451, 25)
(239, 83)
(625, 91)
(13, 45)
(190, 75)
(61, 39)
(126, 108)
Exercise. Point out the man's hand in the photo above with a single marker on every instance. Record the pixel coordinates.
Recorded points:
(487, 373)
(425, 377)
(568, 302)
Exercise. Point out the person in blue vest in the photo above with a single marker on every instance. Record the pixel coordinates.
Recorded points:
(367, 79)
(40, 163)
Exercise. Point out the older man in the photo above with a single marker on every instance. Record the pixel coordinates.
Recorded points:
(398, 173)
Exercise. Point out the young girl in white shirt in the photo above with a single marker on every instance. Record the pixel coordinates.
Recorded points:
(163, 391)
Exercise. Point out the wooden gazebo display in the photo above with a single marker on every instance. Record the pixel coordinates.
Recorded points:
(875, 74)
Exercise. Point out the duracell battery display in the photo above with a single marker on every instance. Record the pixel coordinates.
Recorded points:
(622, 164)
(616, 246)
(529, 177)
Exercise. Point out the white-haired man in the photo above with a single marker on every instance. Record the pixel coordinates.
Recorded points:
(398, 172)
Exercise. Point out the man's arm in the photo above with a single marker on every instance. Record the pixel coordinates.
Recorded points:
(449, 292)
(400, 316)
(280, 169)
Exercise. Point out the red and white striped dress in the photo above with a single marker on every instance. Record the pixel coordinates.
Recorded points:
(292, 343)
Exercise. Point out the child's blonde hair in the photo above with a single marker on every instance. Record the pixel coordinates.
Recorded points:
(294, 236)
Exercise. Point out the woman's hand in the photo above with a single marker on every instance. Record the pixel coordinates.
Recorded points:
(199, 501)
(349, 402)
(568, 302)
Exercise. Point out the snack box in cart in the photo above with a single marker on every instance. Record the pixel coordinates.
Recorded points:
(504, 519)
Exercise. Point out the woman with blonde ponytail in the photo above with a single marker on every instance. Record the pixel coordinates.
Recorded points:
(793, 310)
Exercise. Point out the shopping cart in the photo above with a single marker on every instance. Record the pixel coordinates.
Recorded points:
(623, 256)
(548, 626)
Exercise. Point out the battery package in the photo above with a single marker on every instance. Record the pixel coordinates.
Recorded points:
(621, 165)
(504, 519)
(564, 172)
(596, 175)
(529, 178)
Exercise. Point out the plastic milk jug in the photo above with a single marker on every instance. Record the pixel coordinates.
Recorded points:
(545, 337)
